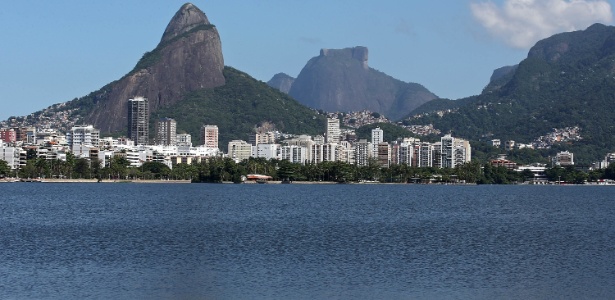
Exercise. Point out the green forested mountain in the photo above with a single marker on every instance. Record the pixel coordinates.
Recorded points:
(238, 107)
(566, 80)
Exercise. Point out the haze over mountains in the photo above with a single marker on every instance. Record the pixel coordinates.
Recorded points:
(340, 80)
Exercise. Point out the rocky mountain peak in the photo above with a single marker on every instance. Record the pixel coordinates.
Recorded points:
(186, 18)
(357, 53)
(341, 80)
(165, 75)
(281, 81)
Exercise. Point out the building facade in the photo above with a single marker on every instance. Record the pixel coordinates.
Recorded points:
(384, 155)
(138, 120)
(184, 139)
(166, 132)
(8, 135)
(377, 138)
(362, 152)
(454, 152)
(209, 136)
(11, 155)
(267, 151)
(333, 132)
(85, 135)
(294, 154)
(563, 159)
(239, 150)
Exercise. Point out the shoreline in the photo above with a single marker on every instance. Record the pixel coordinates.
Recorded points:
(158, 181)
(106, 181)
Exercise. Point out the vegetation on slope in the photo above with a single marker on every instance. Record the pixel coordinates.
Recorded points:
(391, 132)
(238, 107)
(566, 81)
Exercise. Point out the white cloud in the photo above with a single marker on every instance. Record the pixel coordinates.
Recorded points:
(521, 23)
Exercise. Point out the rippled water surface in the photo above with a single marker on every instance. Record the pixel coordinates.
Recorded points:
(203, 241)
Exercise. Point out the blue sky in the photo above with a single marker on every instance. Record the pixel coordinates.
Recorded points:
(54, 51)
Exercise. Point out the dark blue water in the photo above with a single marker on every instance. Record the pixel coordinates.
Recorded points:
(199, 241)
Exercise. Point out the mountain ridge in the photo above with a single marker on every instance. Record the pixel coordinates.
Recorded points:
(567, 80)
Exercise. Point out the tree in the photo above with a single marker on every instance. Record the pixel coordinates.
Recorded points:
(158, 169)
(469, 172)
(118, 167)
(609, 172)
(95, 168)
(82, 168)
(5, 170)
(285, 171)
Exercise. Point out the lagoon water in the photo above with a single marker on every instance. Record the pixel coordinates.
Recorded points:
(207, 241)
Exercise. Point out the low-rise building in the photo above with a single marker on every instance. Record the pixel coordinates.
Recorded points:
(563, 159)
(267, 151)
(8, 135)
(239, 150)
(83, 135)
(294, 153)
(10, 155)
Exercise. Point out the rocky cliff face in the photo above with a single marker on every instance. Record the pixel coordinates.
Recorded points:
(341, 80)
(281, 81)
(500, 77)
(188, 58)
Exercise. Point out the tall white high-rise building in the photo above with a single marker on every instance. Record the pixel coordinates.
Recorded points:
(333, 131)
(377, 138)
(362, 152)
(138, 120)
(454, 151)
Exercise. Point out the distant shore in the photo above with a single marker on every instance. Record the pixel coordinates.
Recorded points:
(53, 180)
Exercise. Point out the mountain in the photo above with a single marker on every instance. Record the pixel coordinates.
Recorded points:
(239, 106)
(341, 80)
(188, 58)
(184, 78)
(566, 80)
(282, 82)
(500, 77)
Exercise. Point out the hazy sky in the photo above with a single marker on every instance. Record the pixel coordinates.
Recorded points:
(54, 51)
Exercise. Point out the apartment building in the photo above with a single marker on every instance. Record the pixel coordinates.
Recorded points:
(138, 120)
(209, 136)
(166, 132)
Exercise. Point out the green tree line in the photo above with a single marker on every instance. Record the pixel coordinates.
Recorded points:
(219, 169)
